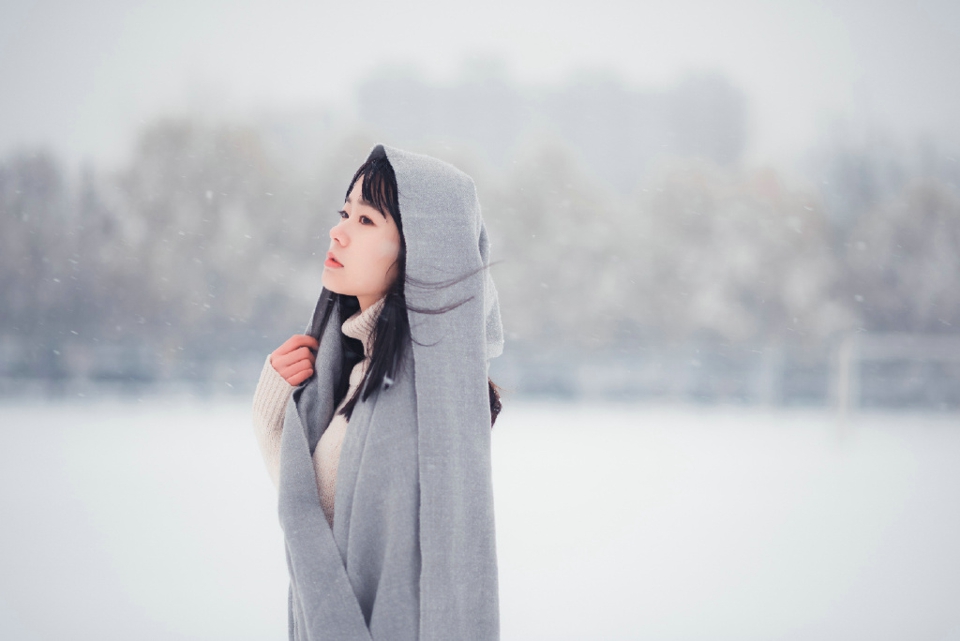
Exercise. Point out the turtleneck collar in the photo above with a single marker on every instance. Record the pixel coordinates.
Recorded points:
(361, 325)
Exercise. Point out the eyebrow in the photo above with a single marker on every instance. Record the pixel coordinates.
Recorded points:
(364, 201)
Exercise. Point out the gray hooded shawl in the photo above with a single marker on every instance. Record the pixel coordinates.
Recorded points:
(412, 551)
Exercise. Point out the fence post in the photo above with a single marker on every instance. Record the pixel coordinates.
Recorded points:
(846, 377)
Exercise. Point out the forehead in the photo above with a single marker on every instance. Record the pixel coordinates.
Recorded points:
(356, 194)
(356, 199)
(355, 191)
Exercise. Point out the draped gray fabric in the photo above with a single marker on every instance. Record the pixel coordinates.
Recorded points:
(412, 551)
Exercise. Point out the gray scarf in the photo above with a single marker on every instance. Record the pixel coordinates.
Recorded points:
(412, 552)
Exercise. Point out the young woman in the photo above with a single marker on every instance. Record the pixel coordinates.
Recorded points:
(375, 424)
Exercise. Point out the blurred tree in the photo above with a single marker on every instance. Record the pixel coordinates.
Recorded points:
(904, 261)
(557, 234)
(737, 257)
(210, 211)
(205, 248)
(856, 172)
(34, 250)
(703, 251)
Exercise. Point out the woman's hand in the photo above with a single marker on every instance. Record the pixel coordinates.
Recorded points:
(294, 359)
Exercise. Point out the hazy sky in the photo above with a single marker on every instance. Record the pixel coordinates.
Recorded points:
(80, 76)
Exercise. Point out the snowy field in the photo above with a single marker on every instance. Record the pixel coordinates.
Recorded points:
(156, 520)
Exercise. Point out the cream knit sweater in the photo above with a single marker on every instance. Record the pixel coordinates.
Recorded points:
(270, 402)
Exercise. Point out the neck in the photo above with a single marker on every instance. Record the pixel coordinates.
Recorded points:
(367, 301)
(361, 325)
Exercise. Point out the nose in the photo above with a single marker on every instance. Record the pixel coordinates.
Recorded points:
(338, 234)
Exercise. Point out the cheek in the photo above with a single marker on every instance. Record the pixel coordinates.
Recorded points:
(387, 250)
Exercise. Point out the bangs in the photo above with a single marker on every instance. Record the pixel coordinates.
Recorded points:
(379, 186)
(376, 188)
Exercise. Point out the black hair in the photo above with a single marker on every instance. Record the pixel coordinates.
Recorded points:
(392, 330)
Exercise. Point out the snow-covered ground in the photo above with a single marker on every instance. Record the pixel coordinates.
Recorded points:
(156, 520)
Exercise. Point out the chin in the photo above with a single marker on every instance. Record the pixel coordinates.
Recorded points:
(330, 283)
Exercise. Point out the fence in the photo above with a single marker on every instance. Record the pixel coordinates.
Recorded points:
(853, 372)
(897, 370)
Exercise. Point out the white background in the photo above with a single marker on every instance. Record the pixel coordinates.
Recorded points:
(157, 520)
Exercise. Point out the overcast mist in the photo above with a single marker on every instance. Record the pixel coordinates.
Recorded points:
(79, 78)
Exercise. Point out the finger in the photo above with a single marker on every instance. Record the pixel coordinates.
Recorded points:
(297, 355)
(295, 368)
(301, 369)
(298, 340)
(296, 379)
(283, 355)
(300, 355)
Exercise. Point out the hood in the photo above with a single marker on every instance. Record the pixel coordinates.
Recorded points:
(446, 240)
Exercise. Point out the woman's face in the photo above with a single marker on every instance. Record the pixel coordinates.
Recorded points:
(364, 247)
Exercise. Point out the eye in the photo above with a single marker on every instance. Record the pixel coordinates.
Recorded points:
(365, 221)
(342, 214)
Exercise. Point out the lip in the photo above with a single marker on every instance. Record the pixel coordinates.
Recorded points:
(332, 261)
